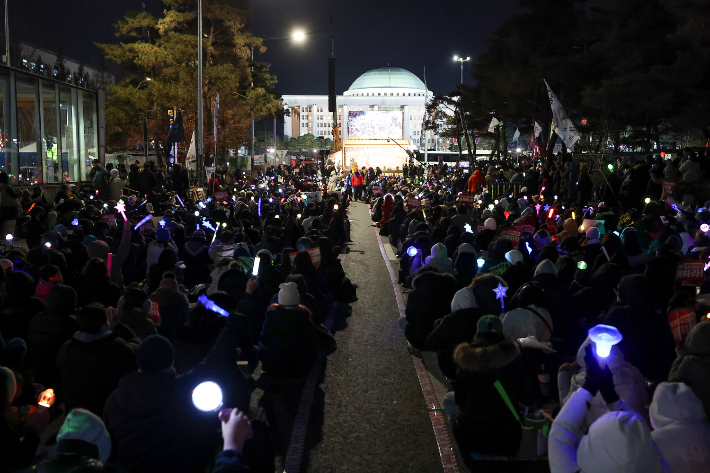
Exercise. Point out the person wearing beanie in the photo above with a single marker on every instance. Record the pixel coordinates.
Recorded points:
(289, 342)
(151, 417)
(681, 429)
(481, 421)
(438, 260)
(692, 366)
(96, 357)
(618, 442)
(542, 238)
(546, 267)
(429, 300)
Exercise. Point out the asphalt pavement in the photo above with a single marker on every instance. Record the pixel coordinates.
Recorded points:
(370, 406)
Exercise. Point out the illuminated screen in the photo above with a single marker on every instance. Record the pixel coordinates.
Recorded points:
(384, 157)
(374, 125)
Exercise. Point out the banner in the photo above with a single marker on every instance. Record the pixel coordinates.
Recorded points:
(414, 203)
(682, 322)
(524, 228)
(516, 135)
(479, 227)
(154, 312)
(110, 219)
(493, 125)
(564, 127)
(512, 234)
(467, 199)
(313, 252)
(377, 190)
(221, 195)
(668, 187)
(312, 196)
(690, 272)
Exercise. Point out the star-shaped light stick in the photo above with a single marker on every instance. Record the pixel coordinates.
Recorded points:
(500, 294)
(537, 208)
(547, 207)
(121, 207)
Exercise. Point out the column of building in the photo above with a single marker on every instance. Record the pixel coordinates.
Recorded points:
(406, 123)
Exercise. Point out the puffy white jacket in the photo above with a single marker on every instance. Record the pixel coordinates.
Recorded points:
(682, 432)
(618, 442)
(629, 383)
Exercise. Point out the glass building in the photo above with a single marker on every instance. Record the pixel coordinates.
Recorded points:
(50, 129)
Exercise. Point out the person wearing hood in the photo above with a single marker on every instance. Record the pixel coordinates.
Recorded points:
(648, 342)
(222, 248)
(692, 366)
(438, 260)
(461, 219)
(163, 241)
(151, 417)
(476, 178)
(82, 443)
(429, 300)
(117, 183)
(618, 442)
(48, 331)
(289, 342)
(682, 431)
(96, 357)
(488, 234)
(173, 305)
(592, 246)
(482, 422)
(196, 257)
(387, 207)
(629, 383)
(96, 285)
(517, 273)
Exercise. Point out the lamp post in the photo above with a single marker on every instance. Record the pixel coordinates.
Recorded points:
(200, 112)
(7, 35)
(462, 60)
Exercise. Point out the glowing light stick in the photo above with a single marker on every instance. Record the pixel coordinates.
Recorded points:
(647, 200)
(704, 227)
(547, 207)
(210, 305)
(259, 206)
(335, 207)
(582, 265)
(491, 206)
(46, 398)
(207, 224)
(604, 337)
(468, 228)
(537, 208)
(31, 207)
(527, 245)
(144, 202)
(224, 225)
(551, 212)
(201, 205)
(209, 199)
(424, 213)
(147, 217)
(500, 294)
(108, 263)
(480, 262)
(255, 269)
(207, 396)
(91, 197)
(412, 251)
(573, 216)
(162, 223)
(197, 213)
(606, 254)
(48, 245)
(121, 207)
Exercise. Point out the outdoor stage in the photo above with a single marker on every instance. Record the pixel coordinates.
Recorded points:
(385, 154)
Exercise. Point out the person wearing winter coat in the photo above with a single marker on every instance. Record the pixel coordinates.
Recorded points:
(387, 207)
(289, 342)
(96, 286)
(196, 257)
(155, 248)
(618, 442)
(100, 249)
(48, 331)
(150, 415)
(692, 366)
(83, 443)
(173, 305)
(454, 329)
(629, 384)
(438, 260)
(135, 313)
(648, 342)
(481, 421)
(682, 431)
(517, 273)
(429, 300)
(95, 359)
(117, 183)
(476, 178)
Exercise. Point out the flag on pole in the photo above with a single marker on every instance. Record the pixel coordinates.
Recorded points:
(191, 154)
(493, 125)
(176, 133)
(564, 127)
(538, 129)
(516, 135)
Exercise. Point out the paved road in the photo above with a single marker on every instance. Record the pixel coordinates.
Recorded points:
(371, 406)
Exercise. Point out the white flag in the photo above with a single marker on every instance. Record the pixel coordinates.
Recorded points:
(191, 150)
(516, 135)
(538, 129)
(493, 125)
(564, 127)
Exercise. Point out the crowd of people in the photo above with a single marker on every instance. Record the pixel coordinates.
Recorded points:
(505, 289)
(120, 298)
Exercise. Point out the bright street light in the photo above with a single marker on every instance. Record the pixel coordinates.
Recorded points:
(462, 60)
(299, 36)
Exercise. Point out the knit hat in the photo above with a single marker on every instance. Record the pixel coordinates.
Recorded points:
(546, 267)
(288, 294)
(169, 283)
(489, 324)
(592, 233)
(570, 226)
(61, 229)
(97, 249)
(514, 256)
(439, 258)
(466, 248)
(88, 239)
(463, 299)
(199, 234)
(618, 442)
(155, 354)
(490, 224)
(542, 238)
(163, 234)
(81, 424)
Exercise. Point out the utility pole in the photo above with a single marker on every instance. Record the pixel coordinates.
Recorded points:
(200, 111)
(332, 98)
(7, 35)
(251, 158)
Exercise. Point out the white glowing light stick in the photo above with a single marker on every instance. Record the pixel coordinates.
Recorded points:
(207, 396)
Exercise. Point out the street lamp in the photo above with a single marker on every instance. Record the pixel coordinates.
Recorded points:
(462, 60)
(298, 36)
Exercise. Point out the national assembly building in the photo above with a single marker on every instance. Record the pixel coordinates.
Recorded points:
(379, 116)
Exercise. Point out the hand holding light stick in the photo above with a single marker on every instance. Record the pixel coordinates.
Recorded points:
(121, 207)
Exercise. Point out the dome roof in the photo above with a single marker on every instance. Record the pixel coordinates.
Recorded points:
(387, 77)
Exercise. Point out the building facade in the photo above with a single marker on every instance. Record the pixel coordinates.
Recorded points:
(384, 89)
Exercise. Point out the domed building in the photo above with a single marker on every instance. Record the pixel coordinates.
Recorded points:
(388, 102)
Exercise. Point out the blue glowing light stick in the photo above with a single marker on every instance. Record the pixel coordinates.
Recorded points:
(201, 205)
(527, 245)
(144, 202)
(148, 217)
(75, 222)
(259, 206)
(207, 224)
(179, 200)
(162, 223)
(210, 305)
(412, 251)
